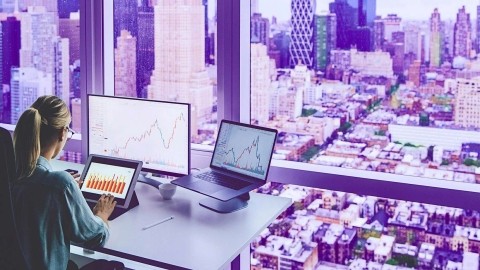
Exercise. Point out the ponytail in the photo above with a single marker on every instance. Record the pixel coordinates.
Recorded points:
(36, 129)
(26, 140)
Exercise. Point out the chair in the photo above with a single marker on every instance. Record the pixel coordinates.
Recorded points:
(10, 253)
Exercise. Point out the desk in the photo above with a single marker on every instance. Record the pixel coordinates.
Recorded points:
(197, 238)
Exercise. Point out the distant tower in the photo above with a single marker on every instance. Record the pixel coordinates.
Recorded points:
(462, 42)
(325, 39)
(478, 28)
(125, 65)
(301, 47)
(124, 18)
(436, 39)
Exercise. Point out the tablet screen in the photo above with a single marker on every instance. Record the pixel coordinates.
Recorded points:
(106, 175)
(109, 179)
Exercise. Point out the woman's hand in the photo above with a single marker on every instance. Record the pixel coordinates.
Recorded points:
(104, 207)
(76, 177)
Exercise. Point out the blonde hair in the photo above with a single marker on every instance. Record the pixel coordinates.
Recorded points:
(37, 128)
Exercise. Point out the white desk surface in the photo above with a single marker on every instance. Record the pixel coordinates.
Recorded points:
(197, 238)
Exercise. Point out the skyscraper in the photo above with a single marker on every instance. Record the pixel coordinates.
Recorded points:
(75, 82)
(180, 73)
(37, 40)
(436, 39)
(378, 34)
(347, 21)
(77, 114)
(27, 84)
(478, 28)
(325, 39)
(462, 42)
(467, 103)
(70, 28)
(367, 11)
(145, 48)
(259, 29)
(124, 18)
(301, 47)
(62, 69)
(392, 24)
(412, 40)
(260, 83)
(125, 65)
(65, 7)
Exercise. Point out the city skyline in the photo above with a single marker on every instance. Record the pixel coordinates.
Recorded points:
(421, 12)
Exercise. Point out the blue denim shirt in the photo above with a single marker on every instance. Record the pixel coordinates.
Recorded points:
(50, 213)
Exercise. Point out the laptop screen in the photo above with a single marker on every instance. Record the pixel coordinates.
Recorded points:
(244, 149)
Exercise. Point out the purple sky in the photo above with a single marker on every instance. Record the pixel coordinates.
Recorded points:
(407, 9)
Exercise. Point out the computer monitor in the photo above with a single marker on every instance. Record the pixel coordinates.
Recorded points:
(155, 132)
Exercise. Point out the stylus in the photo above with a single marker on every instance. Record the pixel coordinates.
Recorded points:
(157, 223)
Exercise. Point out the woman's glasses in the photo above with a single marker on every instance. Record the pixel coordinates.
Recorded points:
(70, 133)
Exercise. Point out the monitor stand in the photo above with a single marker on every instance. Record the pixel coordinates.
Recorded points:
(224, 207)
(120, 211)
(147, 179)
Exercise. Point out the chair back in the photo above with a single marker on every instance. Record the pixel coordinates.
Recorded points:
(10, 252)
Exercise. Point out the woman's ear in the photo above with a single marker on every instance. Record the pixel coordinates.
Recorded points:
(62, 134)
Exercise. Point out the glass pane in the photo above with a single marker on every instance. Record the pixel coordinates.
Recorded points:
(326, 229)
(40, 55)
(165, 50)
(370, 85)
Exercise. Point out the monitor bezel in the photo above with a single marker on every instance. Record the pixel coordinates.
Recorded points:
(144, 169)
(249, 126)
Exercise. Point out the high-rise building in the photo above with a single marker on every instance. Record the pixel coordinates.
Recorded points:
(260, 83)
(378, 34)
(77, 114)
(422, 48)
(27, 84)
(65, 7)
(61, 74)
(347, 20)
(367, 11)
(75, 81)
(7, 6)
(392, 24)
(70, 28)
(279, 50)
(478, 28)
(38, 32)
(462, 42)
(124, 18)
(180, 73)
(467, 103)
(436, 39)
(6, 104)
(301, 46)
(125, 65)
(259, 29)
(414, 73)
(324, 39)
(412, 40)
(397, 51)
(145, 49)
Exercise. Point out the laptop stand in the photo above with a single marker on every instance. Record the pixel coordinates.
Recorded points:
(229, 206)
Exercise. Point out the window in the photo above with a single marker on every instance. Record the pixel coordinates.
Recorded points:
(369, 86)
(40, 55)
(165, 50)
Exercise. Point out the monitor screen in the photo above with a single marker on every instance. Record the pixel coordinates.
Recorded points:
(244, 149)
(155, 132)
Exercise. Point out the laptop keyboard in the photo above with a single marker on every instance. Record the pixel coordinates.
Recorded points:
(223, 180)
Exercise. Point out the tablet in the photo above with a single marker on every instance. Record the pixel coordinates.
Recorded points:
(108, 175)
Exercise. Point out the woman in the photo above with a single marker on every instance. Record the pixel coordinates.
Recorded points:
(50, 211)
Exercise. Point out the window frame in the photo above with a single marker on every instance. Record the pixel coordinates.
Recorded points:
(233, 67)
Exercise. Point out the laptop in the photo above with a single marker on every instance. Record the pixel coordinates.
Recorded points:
(240, 162)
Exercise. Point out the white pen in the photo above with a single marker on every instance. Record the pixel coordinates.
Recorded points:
(157, 223)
